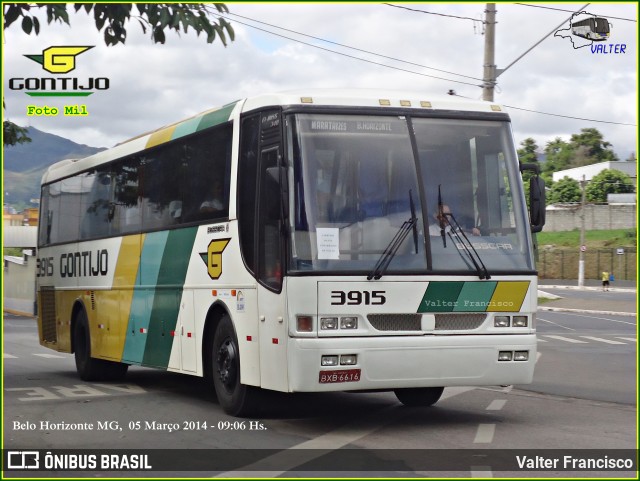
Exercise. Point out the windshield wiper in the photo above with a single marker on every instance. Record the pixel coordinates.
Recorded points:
(481, 269)
(456, 230)
(392, 248)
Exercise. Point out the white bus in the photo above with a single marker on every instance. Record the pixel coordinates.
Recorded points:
(592, 28)
(357, 241)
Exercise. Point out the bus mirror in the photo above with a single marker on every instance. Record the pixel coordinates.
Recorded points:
(537, 203)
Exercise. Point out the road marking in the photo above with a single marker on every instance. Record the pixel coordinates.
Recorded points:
(608, 341)
(485, 433)
(556, 324)
(538, 356)
(632, 339)
(481, 472)
(8, 356)
(542, 340)
(562, 338)
(496, 405)
(601, 318)
(280, 463)
(50, 356)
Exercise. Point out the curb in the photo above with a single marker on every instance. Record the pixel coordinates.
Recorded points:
(586, 288)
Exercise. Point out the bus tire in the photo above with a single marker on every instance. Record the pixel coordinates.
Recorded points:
(89, 368)
(424, 396)
(236, 399)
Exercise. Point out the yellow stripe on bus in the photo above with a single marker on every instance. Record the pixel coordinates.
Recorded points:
(508, 296)
(160, 137)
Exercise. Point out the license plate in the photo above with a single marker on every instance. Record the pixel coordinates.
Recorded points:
(348, 375)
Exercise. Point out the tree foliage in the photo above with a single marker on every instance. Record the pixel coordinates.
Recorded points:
(13, 134)
(112, 18)
(609, 181)
(565, 190)
(594, 148)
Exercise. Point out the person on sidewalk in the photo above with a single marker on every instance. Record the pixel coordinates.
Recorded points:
(605, 281)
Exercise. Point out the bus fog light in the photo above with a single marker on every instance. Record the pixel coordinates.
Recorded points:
(348, 323)
(348, 359)
(505, 355)
(327, 323)
(501, 321)
(329, 361)
(304, 323)
(521, 356)
(520, 321)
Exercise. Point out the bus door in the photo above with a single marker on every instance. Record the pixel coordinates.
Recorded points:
(271, 300)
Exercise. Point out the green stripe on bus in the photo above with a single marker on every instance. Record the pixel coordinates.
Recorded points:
(475, 296)
(216, 117)
(166, 301)
(440, 297)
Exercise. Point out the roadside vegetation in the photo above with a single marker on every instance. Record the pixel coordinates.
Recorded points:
(594, 239)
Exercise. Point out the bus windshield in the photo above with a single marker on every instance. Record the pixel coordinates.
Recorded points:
(358, 179)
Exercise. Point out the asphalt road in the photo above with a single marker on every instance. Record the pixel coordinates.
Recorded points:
(583, 397)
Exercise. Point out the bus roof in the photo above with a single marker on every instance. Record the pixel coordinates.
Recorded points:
(317, 97)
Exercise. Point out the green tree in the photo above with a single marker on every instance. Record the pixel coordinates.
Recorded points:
(559, 154)
(113, 19)
(565, 190)
(593, 147)
(609, 181)
(527, 154)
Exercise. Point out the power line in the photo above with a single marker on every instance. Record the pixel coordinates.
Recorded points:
(569, 117)
(570, 11)
(347, 55)
(433, 13)
(398, 68)
(353, 48)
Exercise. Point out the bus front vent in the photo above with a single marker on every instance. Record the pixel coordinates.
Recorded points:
(48, 310)
(459, 322)
(395, 322)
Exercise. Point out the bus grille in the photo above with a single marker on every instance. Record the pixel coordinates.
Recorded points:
(395, 322)
(48, 314)
(459, 322)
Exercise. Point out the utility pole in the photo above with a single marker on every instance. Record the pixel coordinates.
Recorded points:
(489, 73)
(583, 185)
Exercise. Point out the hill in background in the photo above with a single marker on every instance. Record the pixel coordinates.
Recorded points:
(25, 163)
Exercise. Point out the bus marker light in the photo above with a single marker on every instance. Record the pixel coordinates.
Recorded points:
(520, 321)
(348, 359)
(501, 321)
(304, 323)
(327, 323)
(521, 356)
(233, 293)
(274, 340)
(214, 293)
(249, 338)
(426, 105)
(329, 361)
(348, 323)
(306, 100)
(143, 330)
(385, 102)
(505, 355)
(405, 103)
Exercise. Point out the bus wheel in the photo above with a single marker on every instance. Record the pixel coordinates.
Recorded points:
(235, 398)
(424, 396)
(91, 369)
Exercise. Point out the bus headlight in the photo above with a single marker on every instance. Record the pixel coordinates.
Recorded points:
(501, 321)
(329, 361)
(328, 323)
(521, 356)
(348, 359)
(505, 355)
(348, 323)
(520, 321)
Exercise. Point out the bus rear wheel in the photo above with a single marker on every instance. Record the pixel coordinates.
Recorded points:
(89, 368)
(236, 399)
(424, 396)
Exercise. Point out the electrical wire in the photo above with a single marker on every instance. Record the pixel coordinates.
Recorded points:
(349, 56)
(433, 13)
(570, 11)
(570, 117)
(354, 48)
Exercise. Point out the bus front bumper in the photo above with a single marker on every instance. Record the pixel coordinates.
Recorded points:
(411, 361)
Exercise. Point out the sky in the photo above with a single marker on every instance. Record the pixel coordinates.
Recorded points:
(152, 85)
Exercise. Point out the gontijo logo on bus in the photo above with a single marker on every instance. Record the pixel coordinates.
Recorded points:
(58, 60)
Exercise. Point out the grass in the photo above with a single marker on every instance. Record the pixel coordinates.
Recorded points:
(593, 238)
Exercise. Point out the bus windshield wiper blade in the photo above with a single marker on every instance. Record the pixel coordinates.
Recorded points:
(392, 248)
(456, 230)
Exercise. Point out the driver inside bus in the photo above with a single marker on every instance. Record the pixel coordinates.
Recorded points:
(444, 221)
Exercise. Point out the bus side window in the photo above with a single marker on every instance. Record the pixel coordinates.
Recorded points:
(270, 269)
